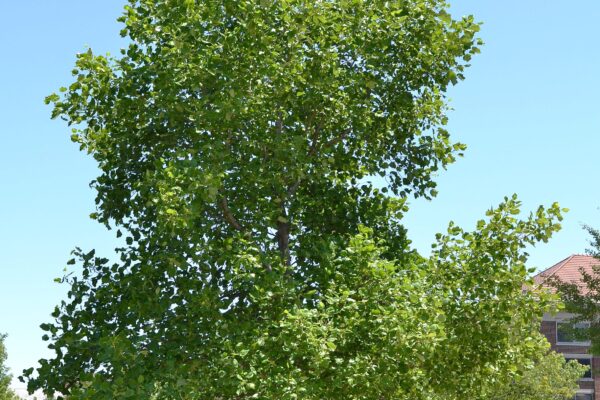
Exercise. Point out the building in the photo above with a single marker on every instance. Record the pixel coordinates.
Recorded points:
(569, 270)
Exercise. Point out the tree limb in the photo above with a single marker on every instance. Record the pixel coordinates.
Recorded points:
(283, 237)
(314, 140)
(228, 215)
(338, 139)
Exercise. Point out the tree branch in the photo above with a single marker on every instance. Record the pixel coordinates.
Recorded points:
(314, 140)
(312, 150)
(292, 189)
(338, 139)
(283, 228)
(228, 215)
(279, 124)
(283, 237)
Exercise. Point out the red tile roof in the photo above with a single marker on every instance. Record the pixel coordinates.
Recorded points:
(569, 269)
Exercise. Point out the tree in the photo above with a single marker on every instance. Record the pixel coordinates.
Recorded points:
(237, 141)
(550, 378)
(583, 300)
(6, 393)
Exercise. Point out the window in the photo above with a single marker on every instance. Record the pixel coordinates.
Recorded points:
(584, 396)
(583, 360)
(567, 334)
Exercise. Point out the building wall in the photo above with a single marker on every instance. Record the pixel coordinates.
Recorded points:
(548, 329)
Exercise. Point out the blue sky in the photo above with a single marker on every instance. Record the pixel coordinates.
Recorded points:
(528, 112)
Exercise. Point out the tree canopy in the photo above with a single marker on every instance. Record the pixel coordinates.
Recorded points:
(549, 378)
(238, 143)
(255, 119)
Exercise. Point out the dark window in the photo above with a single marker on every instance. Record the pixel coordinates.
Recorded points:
(565, 333)
(583, 396)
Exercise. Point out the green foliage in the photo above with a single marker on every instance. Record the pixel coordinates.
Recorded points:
(6, 392)
(412, 329)
(550, 378)
(236, 140)
(584, 301)
(231, 121)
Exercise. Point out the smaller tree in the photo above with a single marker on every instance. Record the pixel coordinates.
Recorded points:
(6, 392)
(550, 378)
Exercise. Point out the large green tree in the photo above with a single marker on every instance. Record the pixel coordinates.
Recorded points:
(237, 141)
(6, 393)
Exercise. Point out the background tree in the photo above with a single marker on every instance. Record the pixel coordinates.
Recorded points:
(583, 300)
(6, 393)
(236, 140)
(549, 378)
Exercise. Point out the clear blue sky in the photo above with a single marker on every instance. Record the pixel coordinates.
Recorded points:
(528, 112)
